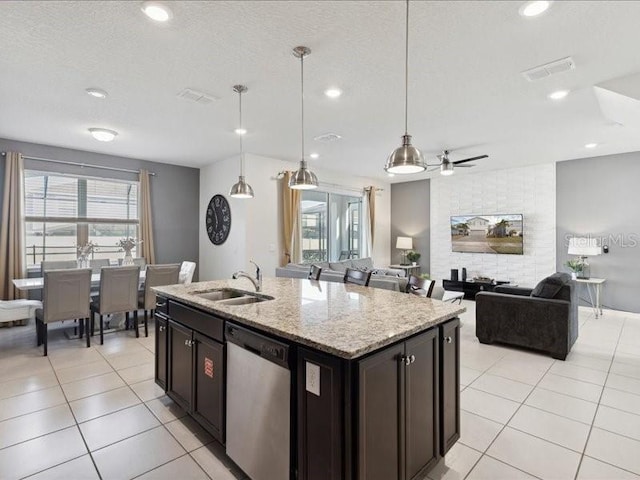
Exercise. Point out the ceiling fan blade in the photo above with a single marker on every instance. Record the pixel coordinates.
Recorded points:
(458, 162)
(464, 166)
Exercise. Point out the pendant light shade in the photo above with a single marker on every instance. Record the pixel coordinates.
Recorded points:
(241, 189)
(303, 178)
(407, 158)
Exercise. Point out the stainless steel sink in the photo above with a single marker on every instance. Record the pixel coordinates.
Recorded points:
(246, 300)
(220, 294)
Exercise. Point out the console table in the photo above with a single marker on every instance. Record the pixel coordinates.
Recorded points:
(594, 284)
(408, 269)
(471, 288)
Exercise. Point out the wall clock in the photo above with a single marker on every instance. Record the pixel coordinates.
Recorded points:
(218, 219)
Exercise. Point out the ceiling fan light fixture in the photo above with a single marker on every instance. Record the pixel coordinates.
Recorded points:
(446, 168)
(303, 178)
(241, 189)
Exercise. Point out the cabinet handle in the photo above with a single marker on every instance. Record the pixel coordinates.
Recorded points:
(412, 358)
(406, 360)
(161, 328)
(160, 305)
(448, 339)
(188, 343)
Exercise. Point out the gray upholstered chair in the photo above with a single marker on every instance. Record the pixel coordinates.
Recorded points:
(66, 296)
(156, 276)
(97, 263)
(420, 287)
(138, 261)
(314, 272)
(118, 294)
(544, 318)
(47, 265)
(357, 276)
(187, 269)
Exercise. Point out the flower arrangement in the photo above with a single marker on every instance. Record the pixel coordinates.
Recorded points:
(575, 265)
(413, 256)
(87, 249)
(128, 244)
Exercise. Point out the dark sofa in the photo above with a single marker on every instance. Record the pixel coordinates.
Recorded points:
(544, 318)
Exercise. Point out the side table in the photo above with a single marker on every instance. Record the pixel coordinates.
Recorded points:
(594, 287)
(408, 269)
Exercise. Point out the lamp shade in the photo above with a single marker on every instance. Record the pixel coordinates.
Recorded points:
(404, 243)
(584, 246)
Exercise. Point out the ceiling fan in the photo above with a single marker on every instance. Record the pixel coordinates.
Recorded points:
(446, 165)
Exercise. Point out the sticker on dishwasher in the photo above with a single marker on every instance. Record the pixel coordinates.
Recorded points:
(208, 367)
(313, 378)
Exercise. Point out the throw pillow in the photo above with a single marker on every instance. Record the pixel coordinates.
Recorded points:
(340, 266)
(363, 264)
(550, 286)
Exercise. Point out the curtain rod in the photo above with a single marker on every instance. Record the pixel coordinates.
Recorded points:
(82, 165)
(334, 185)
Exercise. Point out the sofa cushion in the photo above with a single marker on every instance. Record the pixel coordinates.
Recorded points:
(551, 286)
(340, 266)
(364, 264)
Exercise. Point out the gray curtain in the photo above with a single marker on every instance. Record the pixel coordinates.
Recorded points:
(147, 248)
(11, 231)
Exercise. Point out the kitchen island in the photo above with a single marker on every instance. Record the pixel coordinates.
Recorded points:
(313, 380)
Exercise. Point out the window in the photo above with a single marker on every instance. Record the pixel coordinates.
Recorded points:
(330, 226)
(64, 211)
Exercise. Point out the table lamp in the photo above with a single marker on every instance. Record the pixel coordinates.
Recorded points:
(404, 244)
(584, 247)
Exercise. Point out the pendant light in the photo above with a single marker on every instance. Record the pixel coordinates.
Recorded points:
(407, 158)
(303, 178)
(241, 189)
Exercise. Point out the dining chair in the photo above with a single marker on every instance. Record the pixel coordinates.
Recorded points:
(314, 272)
(187, 269)
(138, 261)
(420, 287)
(118, 294)
(66, 296)
(97, 263)
(156, 276)
(47, 265)
(357, 276)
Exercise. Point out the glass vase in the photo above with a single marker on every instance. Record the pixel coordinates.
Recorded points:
(128, 259)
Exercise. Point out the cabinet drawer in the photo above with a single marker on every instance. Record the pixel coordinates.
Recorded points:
(161, 305)
(204, 323)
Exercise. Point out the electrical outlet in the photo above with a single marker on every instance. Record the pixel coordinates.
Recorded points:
(313, 378)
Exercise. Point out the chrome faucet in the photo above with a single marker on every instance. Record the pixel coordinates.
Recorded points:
(257, 280)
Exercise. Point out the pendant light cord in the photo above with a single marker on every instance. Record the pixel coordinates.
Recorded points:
(406, 75)
(302, 103)
(241, 146)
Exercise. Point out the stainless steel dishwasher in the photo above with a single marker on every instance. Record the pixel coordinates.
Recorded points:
(258, 404)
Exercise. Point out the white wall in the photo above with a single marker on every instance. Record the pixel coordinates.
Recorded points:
(255, 226)
(528, 190)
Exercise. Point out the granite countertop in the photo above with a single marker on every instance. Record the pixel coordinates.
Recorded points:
(341, 319)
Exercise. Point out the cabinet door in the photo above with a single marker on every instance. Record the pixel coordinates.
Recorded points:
(208, 398)
(180, 365)
(421, 404)
(161, 351)
(380, 411)
(449, 384)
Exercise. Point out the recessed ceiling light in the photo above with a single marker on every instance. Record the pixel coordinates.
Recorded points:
(333, 92)
(103, 135)
(591, 145)
(314, 155)
(559, 94)
(96, 92)
(534, 8)
(241, 131)
(157, 11)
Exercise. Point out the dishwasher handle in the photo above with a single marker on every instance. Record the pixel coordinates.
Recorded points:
(265, 347)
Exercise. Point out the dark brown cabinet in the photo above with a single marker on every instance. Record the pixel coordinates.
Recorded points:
(161, 324)
(398, 412)
(180, 387)
(449, 384)
(209, 376)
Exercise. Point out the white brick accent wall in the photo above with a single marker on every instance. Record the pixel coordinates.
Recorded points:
(530, 191)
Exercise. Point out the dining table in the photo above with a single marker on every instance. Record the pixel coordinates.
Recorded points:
(37, 283)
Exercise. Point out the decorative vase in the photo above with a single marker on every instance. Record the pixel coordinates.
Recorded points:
(83, 261)
(573, 275)
(128, 259)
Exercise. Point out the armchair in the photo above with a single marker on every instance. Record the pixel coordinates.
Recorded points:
(544, 318)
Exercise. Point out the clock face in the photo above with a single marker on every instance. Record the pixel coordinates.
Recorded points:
(218, 220)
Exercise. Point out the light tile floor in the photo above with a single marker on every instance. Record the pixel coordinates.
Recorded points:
(524, 415)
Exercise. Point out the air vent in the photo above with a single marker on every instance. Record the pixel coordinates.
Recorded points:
(196, 96)
(548, 69)
(328, 137)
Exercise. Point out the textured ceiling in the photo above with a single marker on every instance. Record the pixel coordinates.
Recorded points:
(466, 91)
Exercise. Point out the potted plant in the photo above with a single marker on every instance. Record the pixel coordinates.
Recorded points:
(413, 257)
(575, 266)
(126, 245)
